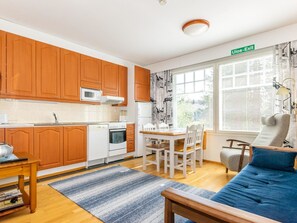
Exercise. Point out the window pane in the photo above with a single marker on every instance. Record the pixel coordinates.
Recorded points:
(252, 96)
(179, 78)
(193, 101)
(199, 86)
(241, 68)
(241, 81)
(227, 70)
(189, 76)
(180, 89)
(199, 75)
(256, 79)
(189, 88)
(227, 82)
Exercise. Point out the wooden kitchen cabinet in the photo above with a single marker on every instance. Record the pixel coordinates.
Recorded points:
(110, 78)
(2, 62)
(91, 72)
(20, 138)
(123, 84)
(48, 71)
(130, 138)
(70, 75)
(75, 144)
(2, 136)
(142, 84)
(48, 146)
(21, 70)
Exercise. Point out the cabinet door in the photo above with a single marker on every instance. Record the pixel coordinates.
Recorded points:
(20, 138)
(110, 79)
(123, 84)
(70, 75)
(2, 136)
(130, 138)
(142, 93)
(75, 146)
(21, 75)
(142, 75)
(91, 72)
(2, 62)
(48, 70)
(48, 146)
(142, 84)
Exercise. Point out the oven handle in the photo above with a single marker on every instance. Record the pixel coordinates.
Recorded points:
(117, 130)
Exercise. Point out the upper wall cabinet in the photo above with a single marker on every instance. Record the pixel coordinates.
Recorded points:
(142, 84)
(123, 84)
(91, 72)
(70, 75)
(2, 62)
(21, 75)
(110, 78)
(48, 71)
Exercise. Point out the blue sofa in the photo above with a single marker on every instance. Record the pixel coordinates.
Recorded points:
(264, 191)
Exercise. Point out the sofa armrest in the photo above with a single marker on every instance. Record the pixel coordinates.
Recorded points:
(199, 209)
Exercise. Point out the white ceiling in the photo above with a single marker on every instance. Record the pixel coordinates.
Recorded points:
(144, 32)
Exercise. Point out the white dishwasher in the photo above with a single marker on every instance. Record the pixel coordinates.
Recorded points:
(98, 144)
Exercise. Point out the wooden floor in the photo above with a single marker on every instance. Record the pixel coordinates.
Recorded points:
(55, 208)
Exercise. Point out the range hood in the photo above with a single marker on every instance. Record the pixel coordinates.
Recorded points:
(113, 100)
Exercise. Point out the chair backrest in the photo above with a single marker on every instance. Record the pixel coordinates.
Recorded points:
(274, 131)
(200, 135)
(191, 136)
(148, 127)
(163, 126)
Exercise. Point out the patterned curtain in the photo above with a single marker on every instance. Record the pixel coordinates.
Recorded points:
(285, 61)
(161, 97)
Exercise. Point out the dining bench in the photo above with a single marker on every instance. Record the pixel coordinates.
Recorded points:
(264, 191)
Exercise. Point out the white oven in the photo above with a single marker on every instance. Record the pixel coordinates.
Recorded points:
(117, 139)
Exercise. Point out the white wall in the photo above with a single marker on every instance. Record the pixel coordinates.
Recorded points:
(215, 140)
(262, 40)
(46, 38)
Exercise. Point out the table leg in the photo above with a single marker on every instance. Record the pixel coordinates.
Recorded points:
(171, 158)
(21, 183)
(144, 155)
(33, 187)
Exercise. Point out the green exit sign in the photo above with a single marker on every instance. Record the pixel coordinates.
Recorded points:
(243, 49)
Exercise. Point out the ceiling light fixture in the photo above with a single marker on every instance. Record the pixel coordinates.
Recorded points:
(163, 2)
(195, 27)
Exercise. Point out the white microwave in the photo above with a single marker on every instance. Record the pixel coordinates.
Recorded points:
(90, 95)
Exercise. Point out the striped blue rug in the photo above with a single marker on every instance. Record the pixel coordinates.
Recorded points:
(119, 194)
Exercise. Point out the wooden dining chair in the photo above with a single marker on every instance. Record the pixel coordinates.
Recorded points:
(199, 144)
(187, 151)
(152, 145)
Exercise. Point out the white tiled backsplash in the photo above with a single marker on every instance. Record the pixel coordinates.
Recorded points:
(19, 111)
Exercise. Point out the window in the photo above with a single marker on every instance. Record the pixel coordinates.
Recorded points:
(193, 97)
(245, 93)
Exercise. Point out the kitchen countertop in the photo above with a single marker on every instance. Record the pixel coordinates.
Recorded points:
(19, 125)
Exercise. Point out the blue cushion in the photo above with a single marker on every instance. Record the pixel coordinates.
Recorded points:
(266, 192)
(275, 160)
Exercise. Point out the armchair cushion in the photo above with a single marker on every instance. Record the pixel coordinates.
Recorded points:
(276, 160)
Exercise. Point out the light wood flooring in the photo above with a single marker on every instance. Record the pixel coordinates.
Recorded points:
(52, 207)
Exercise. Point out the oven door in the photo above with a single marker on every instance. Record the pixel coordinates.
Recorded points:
(117, 139)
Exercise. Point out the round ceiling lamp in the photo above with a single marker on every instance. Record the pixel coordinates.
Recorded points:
(195, 27)
(162, 2)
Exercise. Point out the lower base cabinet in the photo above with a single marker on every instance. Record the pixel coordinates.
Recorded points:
(48, 146)
(130, 138)
(75, 141)
(20, 138)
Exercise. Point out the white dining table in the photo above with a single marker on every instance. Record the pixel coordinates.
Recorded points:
(169, 134)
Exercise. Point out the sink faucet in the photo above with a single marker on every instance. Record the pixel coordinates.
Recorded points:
(55, 116)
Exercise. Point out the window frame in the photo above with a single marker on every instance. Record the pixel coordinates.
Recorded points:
(216, 82)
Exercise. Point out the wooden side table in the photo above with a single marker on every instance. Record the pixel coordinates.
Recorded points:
(22, 169)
